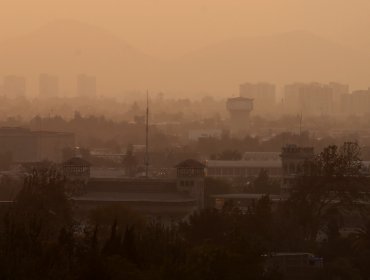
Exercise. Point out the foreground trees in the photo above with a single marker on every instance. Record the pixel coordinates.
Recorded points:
(331, 187)
(40, 240)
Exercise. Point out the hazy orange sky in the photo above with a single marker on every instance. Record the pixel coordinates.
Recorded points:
(171, 27)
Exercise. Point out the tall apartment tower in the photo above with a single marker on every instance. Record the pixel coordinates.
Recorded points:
(86, 85)
(48, 86)
(263, 94)
(340, 93)
(14, 86)
(309, 99)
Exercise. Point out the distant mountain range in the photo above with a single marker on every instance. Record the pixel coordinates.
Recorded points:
(67, 48)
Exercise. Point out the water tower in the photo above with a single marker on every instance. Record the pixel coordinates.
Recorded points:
(239, 109)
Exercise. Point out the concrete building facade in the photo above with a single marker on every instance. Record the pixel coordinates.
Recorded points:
(34, 146)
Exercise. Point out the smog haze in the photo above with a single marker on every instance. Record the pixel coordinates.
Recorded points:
(172, 45)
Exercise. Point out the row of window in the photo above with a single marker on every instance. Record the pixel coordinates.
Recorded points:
(241, 171)
(190, 172)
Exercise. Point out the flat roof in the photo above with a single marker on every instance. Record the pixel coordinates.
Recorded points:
(133, 197)
(283, 254)
(245, 163)
(16, 131)
(273, 197)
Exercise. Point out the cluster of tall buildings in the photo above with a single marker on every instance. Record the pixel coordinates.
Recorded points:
(15, 86)
(316, 98)
(307, 98)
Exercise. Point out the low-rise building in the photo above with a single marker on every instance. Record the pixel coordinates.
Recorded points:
(34, 146)
(165, 199)
(243, 168)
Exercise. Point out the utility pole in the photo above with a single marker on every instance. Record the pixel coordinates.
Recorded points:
(147, 137)
(300, 129)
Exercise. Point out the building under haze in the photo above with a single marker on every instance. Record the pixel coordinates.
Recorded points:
(14, 86)
(263, 95)
(228, 169)
(356, 103)
(25, 145)
(340, 92)
(309, 99)
(239, 109)
(48, 86)
(86, 86)
(293, 159)
(166, 199)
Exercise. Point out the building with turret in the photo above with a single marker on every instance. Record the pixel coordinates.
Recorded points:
(293, 159)
(167, 199)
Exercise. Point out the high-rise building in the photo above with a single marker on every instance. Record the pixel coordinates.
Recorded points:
(359, 102)
(309, 99)
(263, 94)
(14, 86)
(48, 86)
(340, 92)
(86, 85)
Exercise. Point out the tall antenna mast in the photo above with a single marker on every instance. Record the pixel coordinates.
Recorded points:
(300, 128)
(147, 137)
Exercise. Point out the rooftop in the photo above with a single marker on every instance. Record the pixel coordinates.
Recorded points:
(131, 185)
(239, 98)
(76, 161)
(134, 197)
(12, 131)
(245, 163)
(274, 197)
(190, 163)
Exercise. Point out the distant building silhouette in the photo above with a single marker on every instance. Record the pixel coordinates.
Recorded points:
(14, 86)
(309, 99)
(340, 92)
(34, 146)
(86, 85)
(48, 86)
(358, 103)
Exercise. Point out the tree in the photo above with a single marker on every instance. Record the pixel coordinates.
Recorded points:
(43, 199)
(332, 180)
(264, 184)
(31, 227)
(121, 215)
(215, 186)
